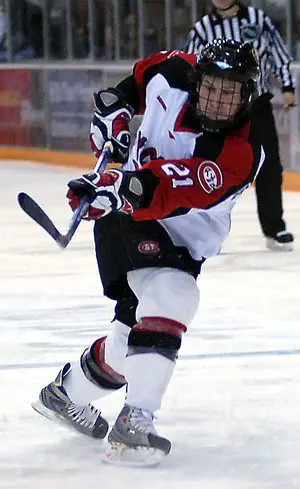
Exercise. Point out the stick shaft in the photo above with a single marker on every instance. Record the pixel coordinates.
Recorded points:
(36, 213)
(84, 203)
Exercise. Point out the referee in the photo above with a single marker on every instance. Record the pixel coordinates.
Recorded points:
(232, 19)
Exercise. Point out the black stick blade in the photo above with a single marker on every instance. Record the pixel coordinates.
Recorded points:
(34, 211)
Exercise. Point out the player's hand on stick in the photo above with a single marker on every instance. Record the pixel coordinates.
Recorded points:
(111, 123)
(104, 192)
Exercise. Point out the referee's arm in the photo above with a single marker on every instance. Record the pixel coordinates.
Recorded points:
(196, 39)
(281, 58)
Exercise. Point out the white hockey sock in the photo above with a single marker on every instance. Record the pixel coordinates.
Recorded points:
(81, 390)
(148, 376)
(116, 346)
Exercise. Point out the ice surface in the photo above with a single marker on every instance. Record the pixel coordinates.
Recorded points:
(232, 409)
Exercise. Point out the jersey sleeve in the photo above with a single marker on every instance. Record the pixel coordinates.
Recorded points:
(197, 182)
(281, 57)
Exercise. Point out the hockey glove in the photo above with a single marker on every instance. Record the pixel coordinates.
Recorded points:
(111, 123)
(105, 192)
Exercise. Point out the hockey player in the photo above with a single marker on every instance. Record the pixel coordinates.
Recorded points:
(157, 220)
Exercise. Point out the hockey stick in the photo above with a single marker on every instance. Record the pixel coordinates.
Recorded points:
(36, 213)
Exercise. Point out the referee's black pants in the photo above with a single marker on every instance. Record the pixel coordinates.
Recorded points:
(269, 180)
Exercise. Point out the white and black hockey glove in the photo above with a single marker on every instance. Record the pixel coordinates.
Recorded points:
(111, 123)
(113, 190)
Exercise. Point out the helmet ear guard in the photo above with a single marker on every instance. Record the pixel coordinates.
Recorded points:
(230, 60)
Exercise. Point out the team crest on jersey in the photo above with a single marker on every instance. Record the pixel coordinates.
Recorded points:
(210, 176)
(250, 32)
(148, 247)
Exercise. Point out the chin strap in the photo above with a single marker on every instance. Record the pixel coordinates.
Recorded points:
(235, 2)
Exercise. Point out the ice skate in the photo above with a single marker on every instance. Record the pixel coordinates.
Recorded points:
(134, 441)
(282, 241)
(54, 404)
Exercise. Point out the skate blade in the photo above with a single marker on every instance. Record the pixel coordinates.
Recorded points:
(60, 420)
(273, 245)
(120, 454)
(47, 413)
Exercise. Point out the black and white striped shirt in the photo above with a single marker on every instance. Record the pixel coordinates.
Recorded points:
(252, 25)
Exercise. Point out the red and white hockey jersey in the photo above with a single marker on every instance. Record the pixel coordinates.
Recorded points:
(200, 173)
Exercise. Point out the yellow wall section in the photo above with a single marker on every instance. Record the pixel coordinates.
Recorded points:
(58, 158)
(291, 180)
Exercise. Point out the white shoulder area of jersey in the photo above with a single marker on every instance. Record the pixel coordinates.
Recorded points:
(159, 86)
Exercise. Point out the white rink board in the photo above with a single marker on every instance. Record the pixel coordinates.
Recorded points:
(232, 408)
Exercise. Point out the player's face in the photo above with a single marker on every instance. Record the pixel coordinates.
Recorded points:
(219, 99)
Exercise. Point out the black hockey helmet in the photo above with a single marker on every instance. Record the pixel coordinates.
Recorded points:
(230, 60)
